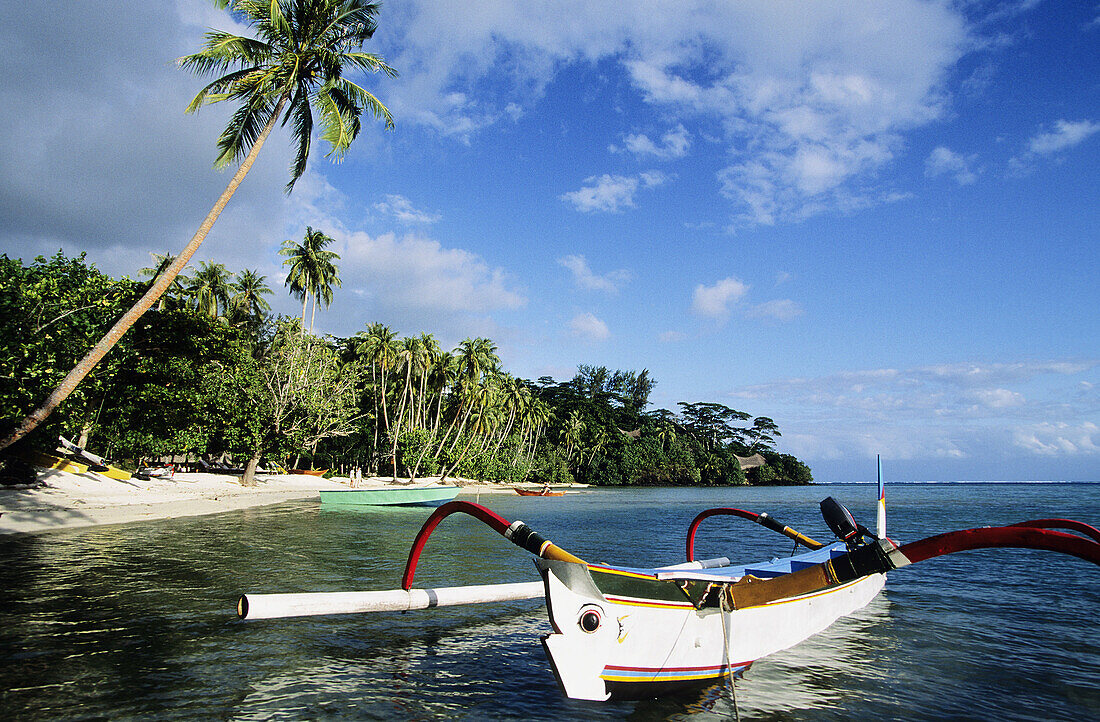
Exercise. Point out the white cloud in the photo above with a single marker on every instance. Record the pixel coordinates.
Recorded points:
(587, 326)
(943, 161)
(1066, 134)
(997, 398)
(674, 144)
(401, 209)
(1059, 439)
(418, 272)
(583, 276)
(78, 82)
(611, 193)
(970, 375)
(811, 102)
(654, 178)
(715, 301)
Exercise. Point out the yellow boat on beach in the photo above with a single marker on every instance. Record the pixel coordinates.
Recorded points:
(49, 461)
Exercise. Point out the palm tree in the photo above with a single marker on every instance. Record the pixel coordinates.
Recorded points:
(441, 377)
(475, 358)
(312, 271)
(405, 358)
(427, 351)
(378, 348)
(210, 289)
(296, 62)
(249, 289)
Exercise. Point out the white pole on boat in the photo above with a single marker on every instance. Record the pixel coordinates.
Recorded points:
(272, 606)
(881, 530)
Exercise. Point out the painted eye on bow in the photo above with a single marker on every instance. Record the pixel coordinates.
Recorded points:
(590, 620)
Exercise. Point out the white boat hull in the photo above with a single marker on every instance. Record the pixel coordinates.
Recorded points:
(645, 647)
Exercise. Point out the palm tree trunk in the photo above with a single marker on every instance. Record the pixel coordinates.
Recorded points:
(374, 380)
(400, 419)
(93, 357)
(507, 430)
(461, 456)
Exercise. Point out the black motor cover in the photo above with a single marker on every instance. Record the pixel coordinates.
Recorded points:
(840, 520)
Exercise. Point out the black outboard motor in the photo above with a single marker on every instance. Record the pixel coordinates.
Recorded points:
(842, 523)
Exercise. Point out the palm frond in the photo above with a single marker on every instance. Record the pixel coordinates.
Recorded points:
(223, 50)
(216, 91)
(278, 21)
(370, 62)
(338, 125)
(303, 132)
(243, 129)
(367, 100)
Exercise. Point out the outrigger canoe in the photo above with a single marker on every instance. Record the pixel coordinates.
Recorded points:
(625, 632)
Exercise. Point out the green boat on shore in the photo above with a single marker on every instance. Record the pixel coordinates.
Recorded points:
(390, 496)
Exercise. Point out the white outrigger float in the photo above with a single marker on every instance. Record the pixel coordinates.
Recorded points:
(627, 633)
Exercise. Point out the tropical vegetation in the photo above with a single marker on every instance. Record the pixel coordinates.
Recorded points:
(210, 374)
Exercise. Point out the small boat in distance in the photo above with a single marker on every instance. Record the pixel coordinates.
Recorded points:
(390, 496)
(544, 491)
(309, 472)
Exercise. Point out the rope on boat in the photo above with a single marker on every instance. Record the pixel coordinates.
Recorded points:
(516, 532)
(722, 611)
(763, 519)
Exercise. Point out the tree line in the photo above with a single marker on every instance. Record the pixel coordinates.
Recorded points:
(210, 373)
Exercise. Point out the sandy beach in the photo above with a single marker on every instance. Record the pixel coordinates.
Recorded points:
(66, 500)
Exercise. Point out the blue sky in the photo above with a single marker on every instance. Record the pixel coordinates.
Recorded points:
(874, 222)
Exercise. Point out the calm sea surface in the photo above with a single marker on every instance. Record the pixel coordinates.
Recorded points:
(137, 620)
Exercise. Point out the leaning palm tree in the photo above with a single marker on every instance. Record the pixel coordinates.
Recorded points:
(295, 63)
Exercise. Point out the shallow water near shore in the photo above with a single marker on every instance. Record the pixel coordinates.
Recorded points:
(137, 620)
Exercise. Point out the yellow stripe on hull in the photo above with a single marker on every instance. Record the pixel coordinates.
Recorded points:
(629, 602)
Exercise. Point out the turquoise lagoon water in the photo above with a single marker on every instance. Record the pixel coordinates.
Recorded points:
(137, 620)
